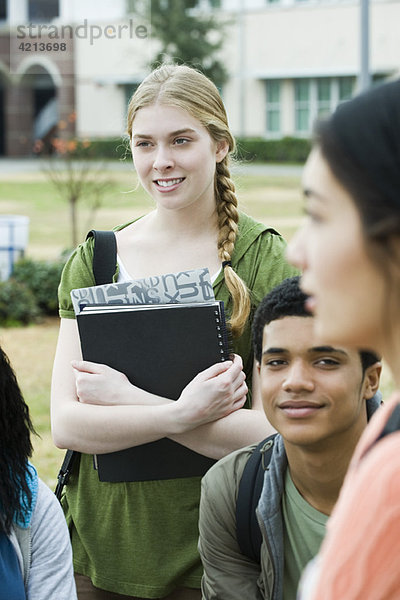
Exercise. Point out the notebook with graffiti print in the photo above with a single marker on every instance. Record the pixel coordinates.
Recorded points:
(171, 288)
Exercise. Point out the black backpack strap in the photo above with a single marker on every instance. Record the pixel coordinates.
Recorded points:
(392, 424)
(104, 256)
(247, 529)
(65, 471)
(104, 265)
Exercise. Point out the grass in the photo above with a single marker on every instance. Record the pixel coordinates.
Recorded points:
(276, 201)
(272, 200)
(31, 352)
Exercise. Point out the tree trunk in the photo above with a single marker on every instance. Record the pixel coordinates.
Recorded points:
(74, 225)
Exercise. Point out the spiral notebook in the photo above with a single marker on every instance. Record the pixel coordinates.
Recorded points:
(160, 348)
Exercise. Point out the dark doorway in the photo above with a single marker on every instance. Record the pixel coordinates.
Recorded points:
(41, 96)
(44, 109)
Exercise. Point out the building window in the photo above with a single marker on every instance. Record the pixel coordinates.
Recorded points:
(3, 10)
(346, 88)
(43, 10)
(379, 78)
(317, 98)
(129, 90)
(302, 105)
(323, 97)
(273, 106)
(130, 6)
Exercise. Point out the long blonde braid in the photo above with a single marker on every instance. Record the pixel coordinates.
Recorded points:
(228, 218)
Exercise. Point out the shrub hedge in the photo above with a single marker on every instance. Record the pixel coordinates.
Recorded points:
(18, 305)
(30, 292)
(42, 278)
(285, 150)
(116, 148)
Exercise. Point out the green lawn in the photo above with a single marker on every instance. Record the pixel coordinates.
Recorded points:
(274, 200)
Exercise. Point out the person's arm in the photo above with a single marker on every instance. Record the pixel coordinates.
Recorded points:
(51, 573)
(241, 428)
(99, 384)
(226, 572)
(79, 424)
(360, 554)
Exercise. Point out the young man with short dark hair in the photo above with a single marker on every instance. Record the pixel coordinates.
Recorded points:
(319, 399)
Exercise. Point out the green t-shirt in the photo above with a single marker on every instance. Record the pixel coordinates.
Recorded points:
(140, 539)
(304, 530)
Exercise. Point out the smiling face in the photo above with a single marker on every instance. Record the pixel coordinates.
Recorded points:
(312, 393)
(175, 157)
(346, 288)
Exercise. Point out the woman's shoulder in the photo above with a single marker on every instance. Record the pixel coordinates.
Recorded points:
(248, 225)
(261, 250)
(258, 236)
(43, 502)
(127, 224)
(47, 506)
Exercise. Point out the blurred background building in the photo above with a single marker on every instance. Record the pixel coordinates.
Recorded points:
(286, 61)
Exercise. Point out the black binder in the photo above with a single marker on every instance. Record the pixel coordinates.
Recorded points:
(160, 348)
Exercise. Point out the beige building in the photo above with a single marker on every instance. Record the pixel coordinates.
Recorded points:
(288, 61)
(292, 60)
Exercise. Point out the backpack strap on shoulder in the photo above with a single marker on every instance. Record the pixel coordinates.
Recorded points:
(104, 265)
(392, 424)
(247, 529)
(104, 256)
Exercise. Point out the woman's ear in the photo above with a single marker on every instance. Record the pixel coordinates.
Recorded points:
(222, 150)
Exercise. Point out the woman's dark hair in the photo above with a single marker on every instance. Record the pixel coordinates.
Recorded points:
(361, 144)
(15, 447)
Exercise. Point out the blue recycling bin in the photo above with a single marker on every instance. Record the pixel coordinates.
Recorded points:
(14, 233)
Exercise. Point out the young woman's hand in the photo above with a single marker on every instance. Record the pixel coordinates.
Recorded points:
(100, 384)
(212, 394)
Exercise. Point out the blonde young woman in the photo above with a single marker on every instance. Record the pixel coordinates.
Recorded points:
(349, 251)
(139, 540)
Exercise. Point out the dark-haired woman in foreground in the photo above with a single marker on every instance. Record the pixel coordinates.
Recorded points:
(349, 252)
(35, 552)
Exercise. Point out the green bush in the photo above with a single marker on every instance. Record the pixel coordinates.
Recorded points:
(17, 304)
(42, 279)
(285, 150)
(117, 148)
